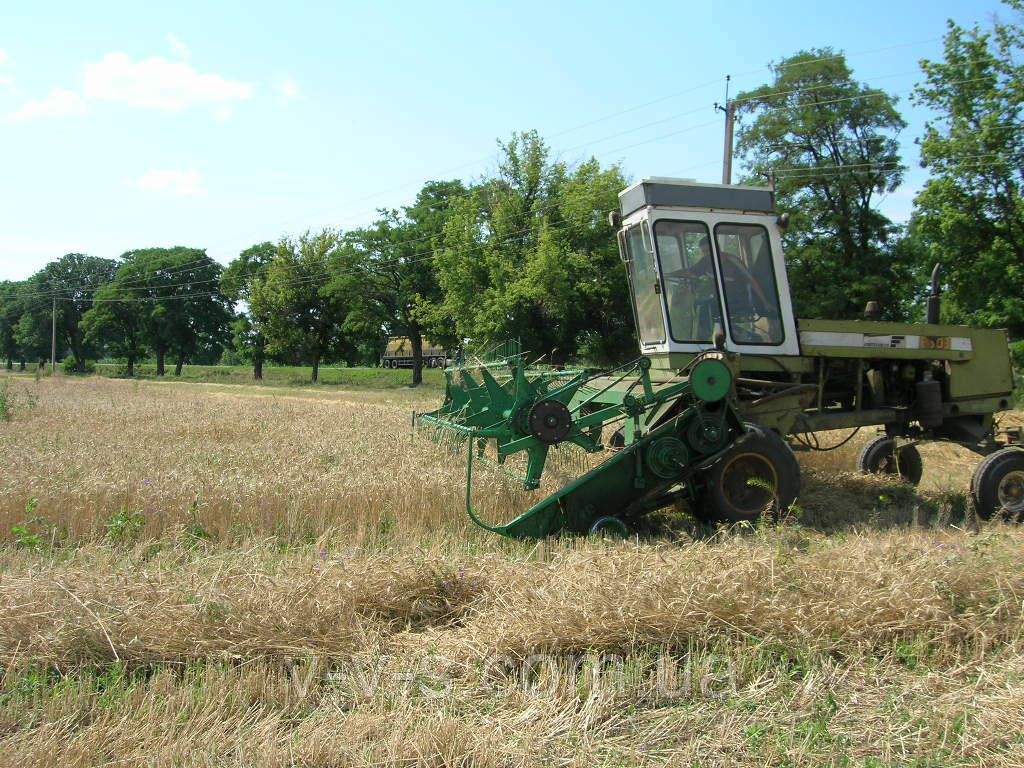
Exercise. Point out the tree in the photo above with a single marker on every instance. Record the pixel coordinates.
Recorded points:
(831, 144)
(117, 320)
(185, 313)
(238, 282)
(73, 280)
(970, 211)
(10, 313)
(304, 315)
(528, 254)
(395, 285)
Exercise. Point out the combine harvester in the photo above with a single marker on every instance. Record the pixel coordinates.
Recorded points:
(726, 372)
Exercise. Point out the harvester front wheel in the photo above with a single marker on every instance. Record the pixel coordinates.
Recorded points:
(880, 457)
(758, 474)
(998, 485)
(609, 526)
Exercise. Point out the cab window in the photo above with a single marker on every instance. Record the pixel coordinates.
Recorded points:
(691, 294)
(748, 279)
(645, 287)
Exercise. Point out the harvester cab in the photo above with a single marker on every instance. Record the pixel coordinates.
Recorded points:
(703, 261)
(726, 373)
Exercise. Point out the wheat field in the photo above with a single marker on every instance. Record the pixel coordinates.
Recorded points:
(198, 575)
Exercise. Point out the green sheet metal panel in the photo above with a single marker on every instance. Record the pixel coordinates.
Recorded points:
(988, 372)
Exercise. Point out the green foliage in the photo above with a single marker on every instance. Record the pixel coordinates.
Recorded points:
(830, 142)
(6, 401)
(10, 314)
(971, 212)
(73, 366)
(195, 533)
(74, 279)
(528, 254)
(27, 534)
(303, 314)
(12, 401)
(230, 357)
(393, 281)
(288, 375)
(125, 525)
(180, 311)
(238, 284)
(117, 318)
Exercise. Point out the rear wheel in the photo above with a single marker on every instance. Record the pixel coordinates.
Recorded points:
(998, 485)
(880, 457)
(759, 474)
(609, 526)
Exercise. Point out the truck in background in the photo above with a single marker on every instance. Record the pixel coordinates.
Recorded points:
(398, 354)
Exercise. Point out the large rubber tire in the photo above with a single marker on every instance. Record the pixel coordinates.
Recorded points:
(730, 496)
(998, 485)
(609, 526)
(879, 457)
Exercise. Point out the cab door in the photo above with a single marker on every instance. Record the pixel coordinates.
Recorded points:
(645, 285)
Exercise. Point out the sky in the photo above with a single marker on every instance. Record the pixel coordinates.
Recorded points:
(220, 124)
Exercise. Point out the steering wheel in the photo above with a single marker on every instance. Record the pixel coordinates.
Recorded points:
(687, 275)
(743, 273)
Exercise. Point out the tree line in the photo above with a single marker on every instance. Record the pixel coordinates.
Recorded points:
(526, 251)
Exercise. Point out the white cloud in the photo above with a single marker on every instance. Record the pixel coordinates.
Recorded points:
(286, 89)
(156, 83)
(153, 83)
(175, 183)
(4, 58)
(178, 49)
(60, 102)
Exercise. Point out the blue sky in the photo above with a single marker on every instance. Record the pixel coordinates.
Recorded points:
(220, 124)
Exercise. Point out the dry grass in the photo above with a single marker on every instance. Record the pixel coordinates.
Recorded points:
(325, 603)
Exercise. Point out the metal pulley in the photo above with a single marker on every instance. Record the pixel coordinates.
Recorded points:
(667, 456)
(549, 421)
(711, 380)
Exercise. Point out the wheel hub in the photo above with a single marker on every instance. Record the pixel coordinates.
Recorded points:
(748, 482)
(549, 421)
(1011, 491)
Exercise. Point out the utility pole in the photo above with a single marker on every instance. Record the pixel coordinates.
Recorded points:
(730, 115)
(53, 336)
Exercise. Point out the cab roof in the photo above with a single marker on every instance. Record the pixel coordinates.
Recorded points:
(687, 193)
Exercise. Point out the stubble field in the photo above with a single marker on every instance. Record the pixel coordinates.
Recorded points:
(225, 575)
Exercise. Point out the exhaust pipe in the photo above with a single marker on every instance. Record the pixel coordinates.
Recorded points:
(933, 298)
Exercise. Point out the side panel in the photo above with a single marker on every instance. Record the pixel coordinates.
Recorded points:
(898, 341)
(989, 372)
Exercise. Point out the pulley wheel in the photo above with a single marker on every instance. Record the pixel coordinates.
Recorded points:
(711, 380)
(667, 456)
(550, 421)
(706, 434)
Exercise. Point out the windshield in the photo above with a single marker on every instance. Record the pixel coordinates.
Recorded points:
(748, 277)
(646, 289)
(684, 250)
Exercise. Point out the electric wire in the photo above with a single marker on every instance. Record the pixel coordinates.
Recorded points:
(447, 202)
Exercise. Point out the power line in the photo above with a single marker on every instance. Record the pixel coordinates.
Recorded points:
(628, 110)
(325, 274)
(395, 247)
(448, 201)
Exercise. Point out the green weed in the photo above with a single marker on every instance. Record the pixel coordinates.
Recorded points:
(6, 401)
(195, 532)
(28, 534)
(125, 525)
